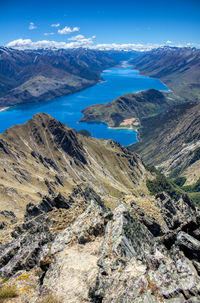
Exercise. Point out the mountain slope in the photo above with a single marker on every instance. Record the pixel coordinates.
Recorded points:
(138, 105)
(30, 76)
(171, 140)
(45, 156)
(177, 67)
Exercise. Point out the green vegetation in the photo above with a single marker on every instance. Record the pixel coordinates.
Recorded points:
(195, 197)
(4, 280)
(193, 188)
(173, 187)
(8, 292)
(180, 181)
(161, 183)
(138, 105)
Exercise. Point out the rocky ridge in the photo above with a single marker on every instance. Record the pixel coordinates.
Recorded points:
(45, 156)
(122, 255)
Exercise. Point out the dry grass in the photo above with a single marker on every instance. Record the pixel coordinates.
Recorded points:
(155, 290)
(62, 218)
(111, 203)
(148, 205)
(8, 292)
(51, 298)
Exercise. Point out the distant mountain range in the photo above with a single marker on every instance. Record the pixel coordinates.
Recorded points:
(88, 220)
(168, 123)
(177, 67)
(32, 76)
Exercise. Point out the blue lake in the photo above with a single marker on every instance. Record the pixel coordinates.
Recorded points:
(67, 109)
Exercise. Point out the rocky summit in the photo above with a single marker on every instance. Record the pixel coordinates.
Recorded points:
(78, 223)
(101, 255)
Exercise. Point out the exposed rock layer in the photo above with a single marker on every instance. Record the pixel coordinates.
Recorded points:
(119, 256)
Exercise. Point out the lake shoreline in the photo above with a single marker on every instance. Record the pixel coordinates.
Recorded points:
(114, 82)
(2, 109)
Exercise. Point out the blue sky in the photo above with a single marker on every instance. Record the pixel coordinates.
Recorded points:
(139, 22)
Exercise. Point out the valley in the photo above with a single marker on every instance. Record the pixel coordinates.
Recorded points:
(85, 219)
(82, 217)
(67, 109)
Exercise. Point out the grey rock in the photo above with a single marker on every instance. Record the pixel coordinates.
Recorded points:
(139, 266)
(3, 225)
(189, 245)
(47, 204)
(90, 224)
(8, 214)
(24, 252)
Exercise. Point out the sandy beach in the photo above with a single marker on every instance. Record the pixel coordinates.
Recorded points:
(2, 109)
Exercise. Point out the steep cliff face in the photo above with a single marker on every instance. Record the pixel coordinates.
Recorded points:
(45, 156)
(177, 67)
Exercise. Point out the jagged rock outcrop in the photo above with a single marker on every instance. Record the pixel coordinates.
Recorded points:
(119, 256)
(47, 204)
(26, 250)
(136, 266)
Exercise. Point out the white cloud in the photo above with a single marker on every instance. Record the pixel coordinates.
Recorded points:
(126, 46)
(82, 41)
(49, 34)
(32, 26)
(169, 42)
(23, 44)
(55, 25)
(75, 38)
(67, 30)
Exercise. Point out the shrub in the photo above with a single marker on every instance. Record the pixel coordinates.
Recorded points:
(8, 292)
(193, 188)
(162, 184)
(180, 181)
(195, 197)
(50, 299)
